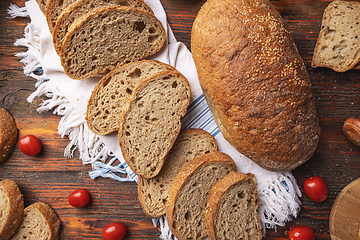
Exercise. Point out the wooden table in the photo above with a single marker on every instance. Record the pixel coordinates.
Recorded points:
(50, 177)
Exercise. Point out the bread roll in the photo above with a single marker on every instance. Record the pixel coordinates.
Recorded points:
(255, 82)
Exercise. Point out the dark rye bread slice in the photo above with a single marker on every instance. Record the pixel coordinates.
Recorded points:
(151, 121)
(153, 192)
(42, 5)
(338, 44)
(39, 222)
(109, 37)
(112, 92)
(11, 208)
(190, 190)
(255, 82)
(231, 210)
(81, 7)
(8, 134)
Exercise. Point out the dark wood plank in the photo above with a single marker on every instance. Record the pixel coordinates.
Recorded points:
(50, 177)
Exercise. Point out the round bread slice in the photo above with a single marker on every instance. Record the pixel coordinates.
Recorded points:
(42, 5)
(231, 210)
(112, 92)
(8, 134)
(190, 190)
(81, 7)
(151, 121)
(153, 192)
(11, 208)
(54, 8)
(108, 38)
(39, 222)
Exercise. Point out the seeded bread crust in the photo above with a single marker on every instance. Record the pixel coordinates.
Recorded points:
(8, 134)
(189, 192)
(81, 7)
(255, 82)
(11, 208)
(39, 222)
(231, 208)
(108, 38)
(112, 92)
(153, 192)
(338, 44)
(151, 121)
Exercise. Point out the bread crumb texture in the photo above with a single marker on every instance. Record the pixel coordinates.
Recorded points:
(338, 44)
(108, 38)
(151, 121)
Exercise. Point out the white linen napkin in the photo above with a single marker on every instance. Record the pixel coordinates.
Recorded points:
(278, 192)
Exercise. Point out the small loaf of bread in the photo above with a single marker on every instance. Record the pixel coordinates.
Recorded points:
(153, 192)
(81, 7)
(39, 222)
(231, 208)
(338, 44)
(255, 82)
(190, 190)
(110, 95)
(11, 208)
(151, 121)
(109, 37)
(8, 134)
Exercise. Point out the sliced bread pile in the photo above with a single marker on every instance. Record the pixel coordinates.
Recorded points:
(37, 222)
(95, 37)
(338, 44)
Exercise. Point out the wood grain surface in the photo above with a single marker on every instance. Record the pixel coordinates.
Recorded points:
(50, 177)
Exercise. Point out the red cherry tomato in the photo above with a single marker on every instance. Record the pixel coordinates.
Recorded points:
(316, 188)
(79, 198)
(30, 145)
(301, 233)
(114, 231)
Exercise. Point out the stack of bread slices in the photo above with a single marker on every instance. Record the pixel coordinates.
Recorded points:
(177, 169)
(94, 36)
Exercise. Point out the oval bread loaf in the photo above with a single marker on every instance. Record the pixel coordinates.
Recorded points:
(39, 222)
(153, 192)
(151, 121)
(255, 82)
(81, 7)
(231, 209)
(108, 38)
(11, 208)
(190, 190)
(110, 95)
(8, 134)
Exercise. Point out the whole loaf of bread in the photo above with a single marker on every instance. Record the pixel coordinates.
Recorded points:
(255, 82)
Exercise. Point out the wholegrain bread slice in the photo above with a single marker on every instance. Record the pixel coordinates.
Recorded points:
(39, 222)
(338, 44)
(110, 95)
(81, 7)
(189, 192)
(153, 192)
(11, 208)
(8, 134)
(54, 8)
(151, 121)
(42, 5)
(108, 38)
(231, 208)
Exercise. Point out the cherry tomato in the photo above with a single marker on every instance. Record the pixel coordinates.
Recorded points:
(30, 145)
(315, 188)
(301, 233)
(114, 231)
(79, 198)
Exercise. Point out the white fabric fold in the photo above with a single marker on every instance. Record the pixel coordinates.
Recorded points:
(278, 191)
